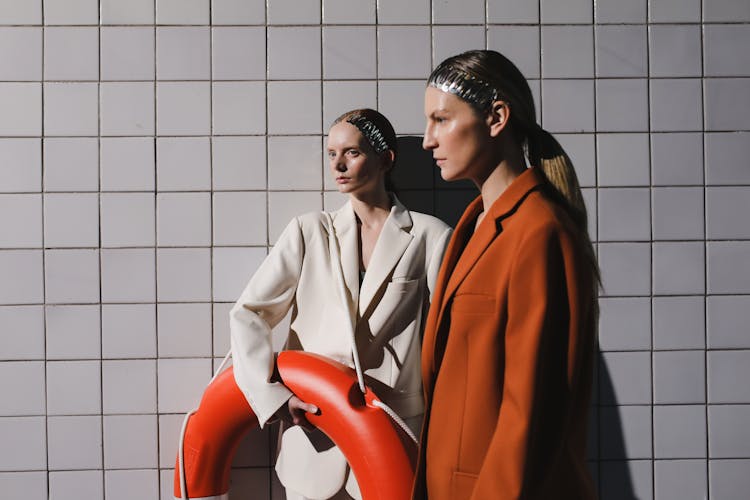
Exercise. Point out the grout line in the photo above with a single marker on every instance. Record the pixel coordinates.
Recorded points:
(156, 258)
(44, 261)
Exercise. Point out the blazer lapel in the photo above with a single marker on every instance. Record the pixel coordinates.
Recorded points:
(345, 227)
(392, 243)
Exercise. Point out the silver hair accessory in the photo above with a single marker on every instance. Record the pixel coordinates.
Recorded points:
(371, 132)
(468, 87)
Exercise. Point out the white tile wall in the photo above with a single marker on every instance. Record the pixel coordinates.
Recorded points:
(152, 150)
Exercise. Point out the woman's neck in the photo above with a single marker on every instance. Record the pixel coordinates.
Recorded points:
(499, 178)
(373, 209)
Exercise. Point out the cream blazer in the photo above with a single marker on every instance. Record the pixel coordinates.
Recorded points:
(388, 311)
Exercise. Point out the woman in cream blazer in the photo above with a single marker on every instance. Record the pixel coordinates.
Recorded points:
(389, 259)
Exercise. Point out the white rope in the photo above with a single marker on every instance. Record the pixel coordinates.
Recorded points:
(395, 418)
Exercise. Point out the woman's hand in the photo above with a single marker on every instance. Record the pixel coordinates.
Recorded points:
(294, 413)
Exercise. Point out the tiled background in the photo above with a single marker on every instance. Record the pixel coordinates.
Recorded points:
(151, 150)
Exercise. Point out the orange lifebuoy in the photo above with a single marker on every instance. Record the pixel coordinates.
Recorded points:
(380, 454)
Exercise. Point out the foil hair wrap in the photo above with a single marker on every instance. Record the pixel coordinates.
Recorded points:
(371, 132)
(468, 87)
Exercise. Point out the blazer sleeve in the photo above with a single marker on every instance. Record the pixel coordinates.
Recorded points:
(535, 388)
(263, 304)
(433, 266)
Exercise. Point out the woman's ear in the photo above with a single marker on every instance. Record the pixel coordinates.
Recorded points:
(498, 117)
(389, 158)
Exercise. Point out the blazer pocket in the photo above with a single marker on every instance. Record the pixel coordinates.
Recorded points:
(462, 484)
(402, 285)
(473, 303)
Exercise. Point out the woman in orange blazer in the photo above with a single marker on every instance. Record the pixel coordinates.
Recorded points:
(509, 341)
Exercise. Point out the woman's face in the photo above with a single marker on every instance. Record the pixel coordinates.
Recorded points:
(456, 135)
(355, 166)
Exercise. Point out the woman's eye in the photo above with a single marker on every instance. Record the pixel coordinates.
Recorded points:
(352, 152)
(331, 155)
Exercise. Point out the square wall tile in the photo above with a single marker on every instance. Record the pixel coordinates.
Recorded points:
(127, 108)
(679, 377)
(469, 12)
(181, 383)
(74, 443)
(727, 272)
(623, 159)
(725, 212)
(22, 388)
(285, 99)
(625, 268)
(74, 388)
(677, 213)
(22, 109)
(127, 53)
(679, 268)
(232, 269)
(184, 274)
(125, 484)
(239, 163)
(183, 108)
(674, 11)
(520, 44)
(285, 205)
(621, 105)
(294, 53)
(624, 214)
(73, 332)
(71, 220)
(512, 11)
(221, 341)
(403, 52)
(184, 330)
(725, 10)
(20, 53)
(134, 12)
(71, 109)
(24, 484)
(675, 50)
(567, 52)
(678, 322)
(183, 219)
(349, 11)
(26, 437)
(129, 386)
(239, 53)
(625, 433)
(342, 96)
(621, 51)
(182, 11)
(71, 164)
(20, 220)
(680, 431)
(20, 12)
(71, 53)
(169, 441)
(238, 107)
(726, 438)
(349, 52)
(127, 164)
(726, 100)
(183, 53)
(581, 150)
(725, 369)
(723, 46)
(676, 105)
(23, 271)
(183, 163)
(680, 479)
(128, 331)
(677, 159)
(612, 11)
(559, 97)
(567, 11)
(728, 317)
(130, 441)
(625, 378)
(128, 275)
(239, 218)
(729, 478)
(76, 484)
(20, 165)
(294, 12)
(23, 332)
(238, 11)
(724, 158)
(397, 12)
(294, 163)
(624, 324)
(71, 276)
(127, 219)
(71, 12)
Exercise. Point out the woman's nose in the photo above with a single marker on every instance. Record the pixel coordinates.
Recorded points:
(428, 142)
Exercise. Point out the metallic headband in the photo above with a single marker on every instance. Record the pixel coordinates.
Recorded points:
(468, 87)
(371, 132)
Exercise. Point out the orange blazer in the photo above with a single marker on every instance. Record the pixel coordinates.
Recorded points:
(508, 354)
